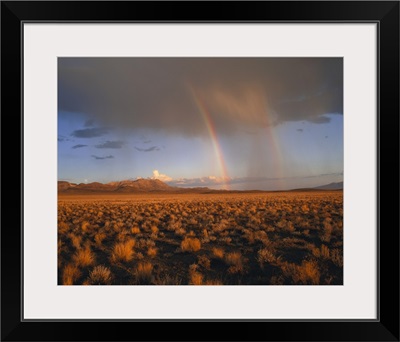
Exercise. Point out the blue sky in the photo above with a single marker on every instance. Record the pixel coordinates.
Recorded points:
(235, 123)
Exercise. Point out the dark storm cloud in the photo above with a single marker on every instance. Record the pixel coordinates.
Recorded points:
(111, 144)
(78, 146)
(101, 158)
(150, 149)
(173, 94)
(89, 132)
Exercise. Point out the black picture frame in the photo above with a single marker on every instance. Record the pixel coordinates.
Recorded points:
(384, 13)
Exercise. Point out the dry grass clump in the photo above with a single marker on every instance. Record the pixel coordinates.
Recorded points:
(327, 230)
(144, 273)
(123, 251)
(154, 229)
(63, 228)
(99, 237)
(75, 240)
(100, 275)
(195, 277)
(71, 274)
(308, 273)
(135, 230)
(85, 225)
(265, 256)
(218, 252)
(152, 252)
(204, 261)
(337, 257)
(190, 244)
(84, 257)
(235, 261)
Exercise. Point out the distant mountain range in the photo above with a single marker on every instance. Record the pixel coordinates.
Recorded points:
(155, 185)
(330, 186)
(126, 186)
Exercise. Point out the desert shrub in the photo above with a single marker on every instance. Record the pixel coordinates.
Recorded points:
(327, 230)
(227, 240)
(263, 237)
(180, 231)
(277, 280)
(63, 228)
(84, 257)
(154, 229)
(152, 252)
(135, 230)
(325, 253)
(139, 256)
(233, 258)
(235, 262)
(123, 251)
(85, 225)
(337, 257)
(71, 274)
(144, 273)
(195, 277)
(265, 256)
(204, 261)
(99, 237)
(100, 275)
(218, 252)
(190, 244)
(167, 279)
(307, 273)
(249, 236)
(75, 240)
(60, 245)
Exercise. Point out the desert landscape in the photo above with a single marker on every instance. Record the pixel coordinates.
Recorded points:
(108, 235)
(200, 171)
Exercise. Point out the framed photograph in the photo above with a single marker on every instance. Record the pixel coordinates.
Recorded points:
(200, 163)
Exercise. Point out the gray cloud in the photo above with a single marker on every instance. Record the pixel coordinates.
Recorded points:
(299, 130)
(111, 144)
(320, 120)
(62, 138)
(90, 132)
(78, 146)
(89, 123)
(150, 149)
(147, 142)
(101, 158)
(175, 95)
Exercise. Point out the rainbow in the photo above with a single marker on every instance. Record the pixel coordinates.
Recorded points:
(213, 135)
(273, 142)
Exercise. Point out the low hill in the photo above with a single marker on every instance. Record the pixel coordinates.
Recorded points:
(331, 186)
